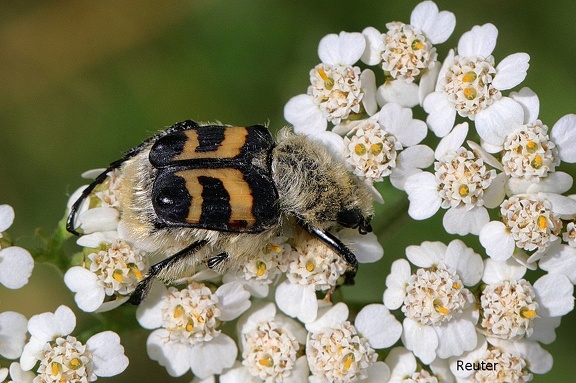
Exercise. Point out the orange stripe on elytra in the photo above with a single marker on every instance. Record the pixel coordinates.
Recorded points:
(241, 199)
(234, 140)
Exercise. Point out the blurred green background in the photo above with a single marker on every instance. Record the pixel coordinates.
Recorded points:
(82, 81)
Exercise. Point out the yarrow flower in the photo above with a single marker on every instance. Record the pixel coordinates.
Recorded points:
(339, 351)
(373, 148)
(512, 308)
(258, 273)
(16, 263)
(13, 330)
(510, 361)
(272, 348)
(406, 53)
(531, 222)
(312, 266)
(113, 270)
(471, 84)
(440, 311)
(462, 183)
(62, 357)
(338, 92)
(186, 325)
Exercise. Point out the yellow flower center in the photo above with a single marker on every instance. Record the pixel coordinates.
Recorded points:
(261, 268)
(328, 82)
(348, 360)
(360, 149)
(470, 93)
(463, 190)
(536, 162)
(528, 314)
(267, 361)
(117, 275)
(376, 149)
(542, 222)
(470, 77)
(417, 45)
(310, 265)
(75, 363)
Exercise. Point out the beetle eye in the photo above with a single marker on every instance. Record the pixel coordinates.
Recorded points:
(350, 218)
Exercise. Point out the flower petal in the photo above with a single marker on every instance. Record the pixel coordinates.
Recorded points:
(494, 123)
(423, 195)
(396, 284)
(16, 265)
(467, 263)
(343, 49)
(511, 71)
(480, 41)
(410, 161)
(452, 142)
(399, 92)
(329, 316)
(428, 254)
(89, 294)
(496, 272)
(421, 340)
(6, 217)
(441, 114)
(365, 246)
(374, 46)
(495, 193)
(304, 115)
(459, 220)
(438, 26)
(497, 241)
(172, 355)
(529, 101)
(564, 135)
(107, 354)
(554, 294)
(557, 182)
(378, 325)
(560, 259)
(209, 358)
(455, 337)
(47, 326)
(13, 331)
(233, 300)
(297, 301)
(368, 80)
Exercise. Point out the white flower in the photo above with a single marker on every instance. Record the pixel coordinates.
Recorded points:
(13, 330)
(186, 323)
(531, 222)
(513, 308)
(373, 147)
(62, 357)
(313, 266)
(16, 263)
(470, 84)
(258, 273)
(113, 270)
(339, 91)
(338, 351)
(511, 361)
(272, 347)
(440, 311)
(404, 368)
(406, 52)
(462, 183)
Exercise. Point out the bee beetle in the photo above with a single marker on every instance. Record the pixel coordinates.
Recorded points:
(231, 189)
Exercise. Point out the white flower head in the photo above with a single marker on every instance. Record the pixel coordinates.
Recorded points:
(512, 308)
(313, 266)
(338, 91)
(373, 146)
(440, 311)
(272, 345)
(510, 361)
(337, 352)
(406, 51)
(16, 263)
(113, 270)
(531, 222)
(471, 84)
(187, 333)
(62, 357)
(258, 273)
(462, 183)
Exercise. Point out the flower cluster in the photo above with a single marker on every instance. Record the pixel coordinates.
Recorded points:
(491, 166)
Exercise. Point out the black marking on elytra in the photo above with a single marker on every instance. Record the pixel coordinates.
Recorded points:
(216, 210)
(209, 138)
